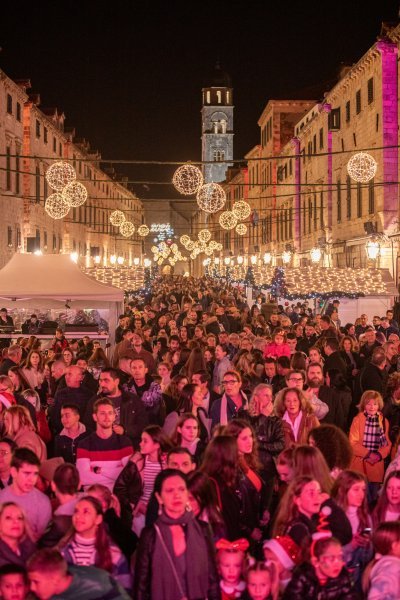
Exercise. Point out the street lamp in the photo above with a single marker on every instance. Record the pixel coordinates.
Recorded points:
(315, 254)
(227, 260)
(240, 259)
(147, 263)
(253, 259)
(267, 258)
(113, 259)
(120, 260)
(286, 256)
(373, 249)
(136, 261)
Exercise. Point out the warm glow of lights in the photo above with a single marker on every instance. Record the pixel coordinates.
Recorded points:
(211, 197)
(184, 239)
(60, 174)
(147, 262)
(253, 259)
(97, 259)
(241, 210)
(117, 217)
(136, 261)
(267, 258)
(286, 256)
(38, 253)
(143, 230)
(241, 228)
(120, 260)
(204, 235)
(362, 167)
(227, 260)
(75, 193)
(113, 259)
(315, 254)
(373, 249)
(127, 229)
(240, 260)
(74, 257)
(227, 220)
(56, 206)
(187, 179)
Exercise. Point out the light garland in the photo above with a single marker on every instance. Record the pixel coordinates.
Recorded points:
(60, 174)
(211, 197)
(241, 228)
(241, 210)
(75, 194)
(127, 229)
(227, 220)
(362, 167)
(117, 217)
(56, 206)
(184, 239)
(204, 235)
(143, 230)
(315, 255)
(190, 246)
(187, 179)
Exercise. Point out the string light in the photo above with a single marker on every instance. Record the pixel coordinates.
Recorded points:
(315, 254)
(75, 193)
(184, 239)
(143, 230)
(211, 197)
(241, 228)
(362, 167)
(117, 217)
(56, 206)
(127, 229)
(241, 210)
(187, 179)
(60, 174)
(204, 235)
(227, 220)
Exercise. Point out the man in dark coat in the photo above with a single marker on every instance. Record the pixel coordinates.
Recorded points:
(333, 359)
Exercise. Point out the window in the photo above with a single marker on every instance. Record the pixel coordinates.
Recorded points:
(339, 201)
(219, 96)
(9, 236)
(309, 215)
(208, 96)
(358, 102)
(377, 122)
(354, 139)
(321, 138)
(9, 104)
(19, 239)
(60, 149)
(37, 128)
(17, 180)
(315, 212)
(290, 167)
(45, 239)
(37, 184)
(371, 197)
(290, 223)
(334, 119)
(45, 135)
(314, 144)
(348, 197)
(60, 243)
(54, 144)
(321, 210)
(18, 111)
(348, 111)
(359, 200)
(54, 242)
(370, 90)
(8, 168)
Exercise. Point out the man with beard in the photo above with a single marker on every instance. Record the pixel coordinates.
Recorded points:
(309, 338)
(370, 344)
(315, 383)
(130, 414)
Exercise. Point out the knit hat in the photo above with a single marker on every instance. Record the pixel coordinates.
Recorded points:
(285, 549)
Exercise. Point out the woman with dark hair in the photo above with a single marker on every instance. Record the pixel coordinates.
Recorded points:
(194, 363)
(388, 505)
(33, 370)
(173, 391)
(221, 464)
(175, 556)
(97, 362)
(190, 400)
(87, 543)
(209, 357)
(298, 361)
(18, 379)
(334, 445)
(187, 435)
(204, 503)
(343, 396)
(222, 365)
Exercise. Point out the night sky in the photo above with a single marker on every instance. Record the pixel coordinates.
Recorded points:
(128, 74)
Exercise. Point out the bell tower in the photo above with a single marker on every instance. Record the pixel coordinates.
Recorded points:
(217, 126)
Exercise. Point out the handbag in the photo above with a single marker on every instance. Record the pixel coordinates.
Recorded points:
(171, 562)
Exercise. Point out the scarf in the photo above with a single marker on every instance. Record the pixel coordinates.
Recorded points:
(374, 436)
(195, 584)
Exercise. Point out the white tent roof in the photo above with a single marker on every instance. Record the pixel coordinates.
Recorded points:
(50, 279)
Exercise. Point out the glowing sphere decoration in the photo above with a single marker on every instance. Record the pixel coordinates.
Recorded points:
(117, 217)
(208, 251)
(362, 167)
(187, 179)
(213, 245)
(218, 247)
(75, 193)
(56, 206)
(204, 235)
(127, 229)
(211, 197)
(227, 220)
(184, 239)
(60, 174)
(143, 230)
(241, 210)
(190, 246)
(241, 228)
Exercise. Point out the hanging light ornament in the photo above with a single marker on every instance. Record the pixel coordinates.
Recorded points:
(218, 247)
(60, 174)
(190, 245)
(143, 230)
(187, 179)
(315, 255)
(75, 193)
(362, 167)
(127, 229)
(56, 206)
(211, 197)
(241, 210)
(117, 217)
(193, 255)
(184, 239)
(286, 256)
(208, 251)
(227, 220)
(241, 228)
(204, 235)
(213, 245)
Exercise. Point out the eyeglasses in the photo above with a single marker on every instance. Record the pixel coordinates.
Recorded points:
(4, 452)
(230, 381)
(296, 379)
(331, 558)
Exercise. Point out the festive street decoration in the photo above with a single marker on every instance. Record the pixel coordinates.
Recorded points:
(117, 217)
(184, 239)
(60, 174)
(241, 228)
(187, 179)
(204, 235)
(127, 229)
(278, 285)
(56, 206)
(286, 256)
(143, 230)
(249, 279)
(75, 193)
(315, 255)
(227, 220)
(241, 210)
(362, 167)
(211, 197)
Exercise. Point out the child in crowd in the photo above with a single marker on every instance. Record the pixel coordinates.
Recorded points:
(231, 560)
(261, 581)
(381, 580)
(14, 583)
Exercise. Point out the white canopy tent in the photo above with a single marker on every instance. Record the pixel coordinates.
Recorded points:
(55, 281)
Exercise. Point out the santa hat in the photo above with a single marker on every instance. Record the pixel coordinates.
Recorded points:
(285, 549)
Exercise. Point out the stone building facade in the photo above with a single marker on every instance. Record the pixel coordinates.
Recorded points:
(31, 139)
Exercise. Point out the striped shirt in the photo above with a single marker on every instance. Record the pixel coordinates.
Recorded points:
(150, 472)
(83, 551)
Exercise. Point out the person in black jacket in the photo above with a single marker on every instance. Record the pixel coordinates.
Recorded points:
(181, 543)
(334, 359)
(131, 413)
(373, 376)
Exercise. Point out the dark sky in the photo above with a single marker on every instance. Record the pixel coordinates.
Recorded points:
(128, 74)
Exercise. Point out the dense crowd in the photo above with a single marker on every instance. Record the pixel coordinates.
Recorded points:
(216, 451)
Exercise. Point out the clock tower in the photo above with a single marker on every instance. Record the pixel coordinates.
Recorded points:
(217, 126)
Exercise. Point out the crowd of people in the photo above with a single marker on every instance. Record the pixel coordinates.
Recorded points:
(216, 451)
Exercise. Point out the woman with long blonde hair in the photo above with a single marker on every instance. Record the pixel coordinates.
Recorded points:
(16, 544)
(20, 428)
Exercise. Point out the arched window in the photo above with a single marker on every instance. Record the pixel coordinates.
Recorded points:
(208, 96)
(219, 96)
